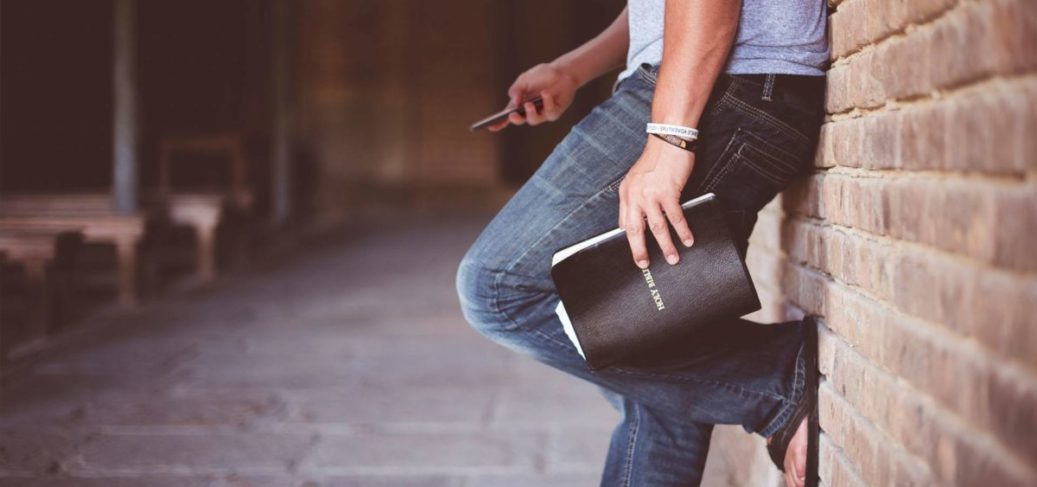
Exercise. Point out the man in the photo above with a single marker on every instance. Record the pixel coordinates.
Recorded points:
(742, 81)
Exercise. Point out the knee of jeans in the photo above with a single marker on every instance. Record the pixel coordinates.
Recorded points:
(477, 292)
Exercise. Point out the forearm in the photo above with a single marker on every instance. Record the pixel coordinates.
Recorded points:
(603, 53)
(697, 39)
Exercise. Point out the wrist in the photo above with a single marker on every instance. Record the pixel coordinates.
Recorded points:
(570, 69)
(676, 108)
(659, 148)
(684, 118)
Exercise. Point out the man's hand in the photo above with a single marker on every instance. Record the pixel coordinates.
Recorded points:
(556, 86)
(697, 36)
(652, 188)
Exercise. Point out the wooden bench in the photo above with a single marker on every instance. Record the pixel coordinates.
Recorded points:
(204, 210)
(88, 213)
(229, 145)
(35, 246)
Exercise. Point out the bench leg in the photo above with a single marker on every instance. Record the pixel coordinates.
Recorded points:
(39, 290)
(126, 250)
(205, 256)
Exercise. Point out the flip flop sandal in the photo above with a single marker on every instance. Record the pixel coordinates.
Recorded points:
(806, 408)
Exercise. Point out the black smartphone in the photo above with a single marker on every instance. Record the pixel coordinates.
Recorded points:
(501, 115)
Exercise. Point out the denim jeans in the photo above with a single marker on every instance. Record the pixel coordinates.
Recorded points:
(755, 139)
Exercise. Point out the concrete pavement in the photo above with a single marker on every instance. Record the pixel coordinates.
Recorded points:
(346, 364)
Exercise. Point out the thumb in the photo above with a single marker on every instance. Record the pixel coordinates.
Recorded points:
(515, 93)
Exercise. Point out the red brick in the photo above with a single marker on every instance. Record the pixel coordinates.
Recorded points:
(803, 198)
(880, 141)
(1027, 94)
(906, 65)
(968, 43)
(854, 201)
(842, 30)
(879, 461)
(1002, 315)
(879, 20)
(837, 92)
(984, 131)
(910, 419)
(960, 51)
(825, 155)
(968, 299)
(998, 402)
(1016, 214)
(989, 222)
(920, 11)
(834, 468)
(864, 75)
(922, 137)
(1013, 31)
(927, 276)
(846, 142)
(856, 24)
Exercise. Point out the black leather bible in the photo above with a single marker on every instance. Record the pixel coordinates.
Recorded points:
(612, 310)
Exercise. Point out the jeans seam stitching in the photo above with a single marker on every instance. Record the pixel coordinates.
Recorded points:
(766, 117)
(709, 180)
(716, 107)
(766, 173)
(736, 158)
(678, 378)
(551, 230)
(798, 389)
(771, 147)
(632, 446)
(495, 302)
(515, 325)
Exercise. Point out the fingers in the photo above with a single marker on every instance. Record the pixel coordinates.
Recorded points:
(790, 471)
(533, 117)
(552, 110)
(660, 214)
(790, 474)
(800, 469)
(516, 92)
(675, 214)
(622, 205)
(795, 466)
(497, 127)
(661, 230)
(635, 228)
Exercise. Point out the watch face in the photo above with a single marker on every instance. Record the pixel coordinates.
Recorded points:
(688, 145)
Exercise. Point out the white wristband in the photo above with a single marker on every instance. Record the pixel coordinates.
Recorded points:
(667, 129)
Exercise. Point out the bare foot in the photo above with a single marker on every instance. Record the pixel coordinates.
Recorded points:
(796, 457)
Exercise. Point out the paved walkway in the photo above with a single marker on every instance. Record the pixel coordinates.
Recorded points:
(347, 365)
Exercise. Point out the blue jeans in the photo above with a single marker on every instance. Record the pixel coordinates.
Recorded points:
(756, 137)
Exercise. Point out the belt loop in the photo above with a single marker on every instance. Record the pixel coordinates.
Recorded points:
(768, 87)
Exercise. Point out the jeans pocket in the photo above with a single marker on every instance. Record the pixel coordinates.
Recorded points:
(751, 171)
(648, 72)
(769, 161)
(613, 185)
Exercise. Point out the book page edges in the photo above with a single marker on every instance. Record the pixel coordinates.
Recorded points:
(568, 327)
(574, 248)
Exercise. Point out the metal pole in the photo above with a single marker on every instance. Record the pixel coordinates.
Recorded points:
(125, 123)
(282, 112)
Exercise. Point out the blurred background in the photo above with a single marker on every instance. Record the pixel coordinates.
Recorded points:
(229, 231)
(374, 97)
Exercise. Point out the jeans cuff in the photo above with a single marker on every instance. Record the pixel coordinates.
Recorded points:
(784, 414)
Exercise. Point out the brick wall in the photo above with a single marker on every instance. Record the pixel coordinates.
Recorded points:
(915, 240)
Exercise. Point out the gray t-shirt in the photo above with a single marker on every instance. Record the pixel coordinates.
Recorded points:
(774, 36)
